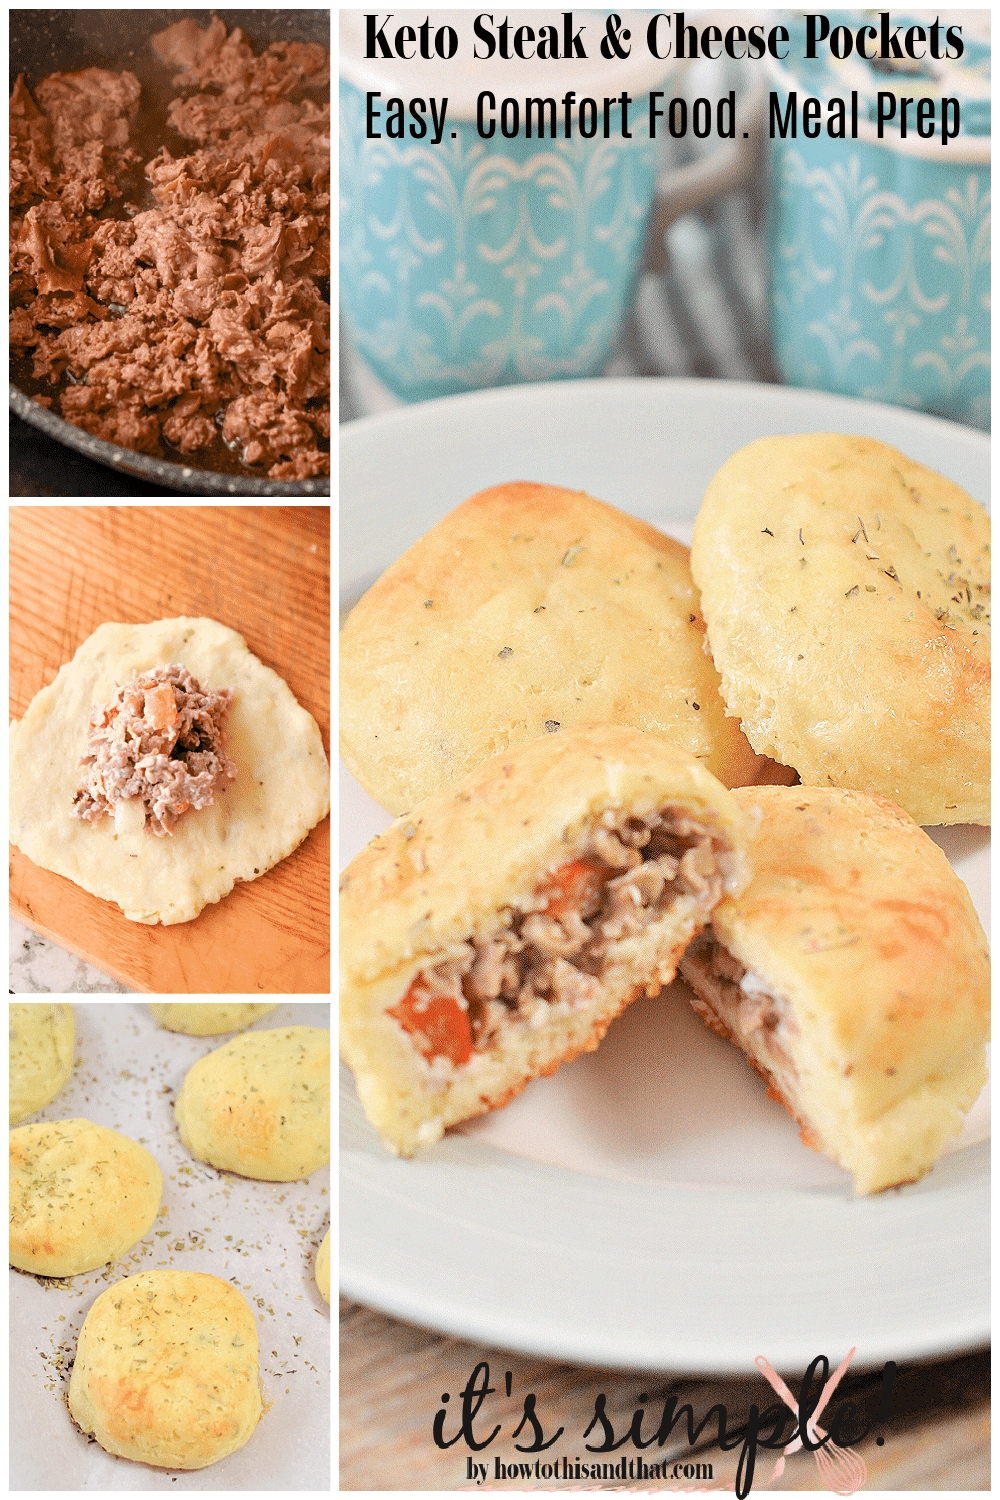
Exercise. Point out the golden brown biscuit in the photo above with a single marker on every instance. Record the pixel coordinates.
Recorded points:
(529, 610)
(166, 1370)
(846, 592)
(260, 1105)
(323, 1267)
(42, 1038)
(854, 973)
(80, 1196)
(497, 930)
(197, 1019)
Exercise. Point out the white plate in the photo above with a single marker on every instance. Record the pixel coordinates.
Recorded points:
(648, 1206)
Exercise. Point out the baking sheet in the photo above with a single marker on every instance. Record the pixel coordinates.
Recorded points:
(262, 1236)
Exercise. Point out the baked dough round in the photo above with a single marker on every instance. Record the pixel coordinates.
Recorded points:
(323, 1267)
(450, 883)
(865, 997)
(166, 1370)
(197, 1019)
(80, 1196)
(260, 1105)
(529, 610)
(846, 592)
(42, 1038)
(281, 791)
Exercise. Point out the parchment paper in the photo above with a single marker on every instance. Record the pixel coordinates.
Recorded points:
(262, 1236)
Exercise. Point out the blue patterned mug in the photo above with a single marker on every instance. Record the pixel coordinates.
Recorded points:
(481, 262)
(880, 248)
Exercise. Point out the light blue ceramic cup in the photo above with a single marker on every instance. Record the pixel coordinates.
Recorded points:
(483, 262)
(880, 252)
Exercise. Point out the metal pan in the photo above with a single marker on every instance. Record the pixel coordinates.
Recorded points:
(47, 41)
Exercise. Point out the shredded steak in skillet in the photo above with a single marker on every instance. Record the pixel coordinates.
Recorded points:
(158, 329)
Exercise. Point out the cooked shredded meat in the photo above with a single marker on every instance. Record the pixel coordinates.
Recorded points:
(159, 741)
(162, 329)
(557, 946)
(737, 1004)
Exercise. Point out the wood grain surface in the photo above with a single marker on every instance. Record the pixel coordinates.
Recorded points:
(392, 1375)
(263, 571)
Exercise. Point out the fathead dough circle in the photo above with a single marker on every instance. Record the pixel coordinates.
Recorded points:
(281, 791)
(209, 1020)
(260, 1105)
(529, 610)
(846, 593)
(42, 1038)
(80, 1196)
(166, 1370)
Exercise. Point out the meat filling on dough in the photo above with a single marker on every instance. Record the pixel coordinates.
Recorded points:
(555, 947)
(157, 749)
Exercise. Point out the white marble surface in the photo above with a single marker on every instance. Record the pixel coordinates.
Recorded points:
(41, 967)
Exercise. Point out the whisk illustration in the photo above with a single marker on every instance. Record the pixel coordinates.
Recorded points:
(843, 1470)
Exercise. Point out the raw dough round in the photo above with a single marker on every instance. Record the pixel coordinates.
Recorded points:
(846, 593)
(528, 610)
(209, 1020)
(323, 1268)
(260, 1105)
(42, 1038)
(166, 1370)
(80, 1196)
(281, 791)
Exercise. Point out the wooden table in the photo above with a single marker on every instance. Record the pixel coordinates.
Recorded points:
(263, 571)
(392, 1375)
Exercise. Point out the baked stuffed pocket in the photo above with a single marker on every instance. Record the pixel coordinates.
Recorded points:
(497, 930)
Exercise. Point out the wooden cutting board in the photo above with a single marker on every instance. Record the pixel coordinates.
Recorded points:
(265, 572)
